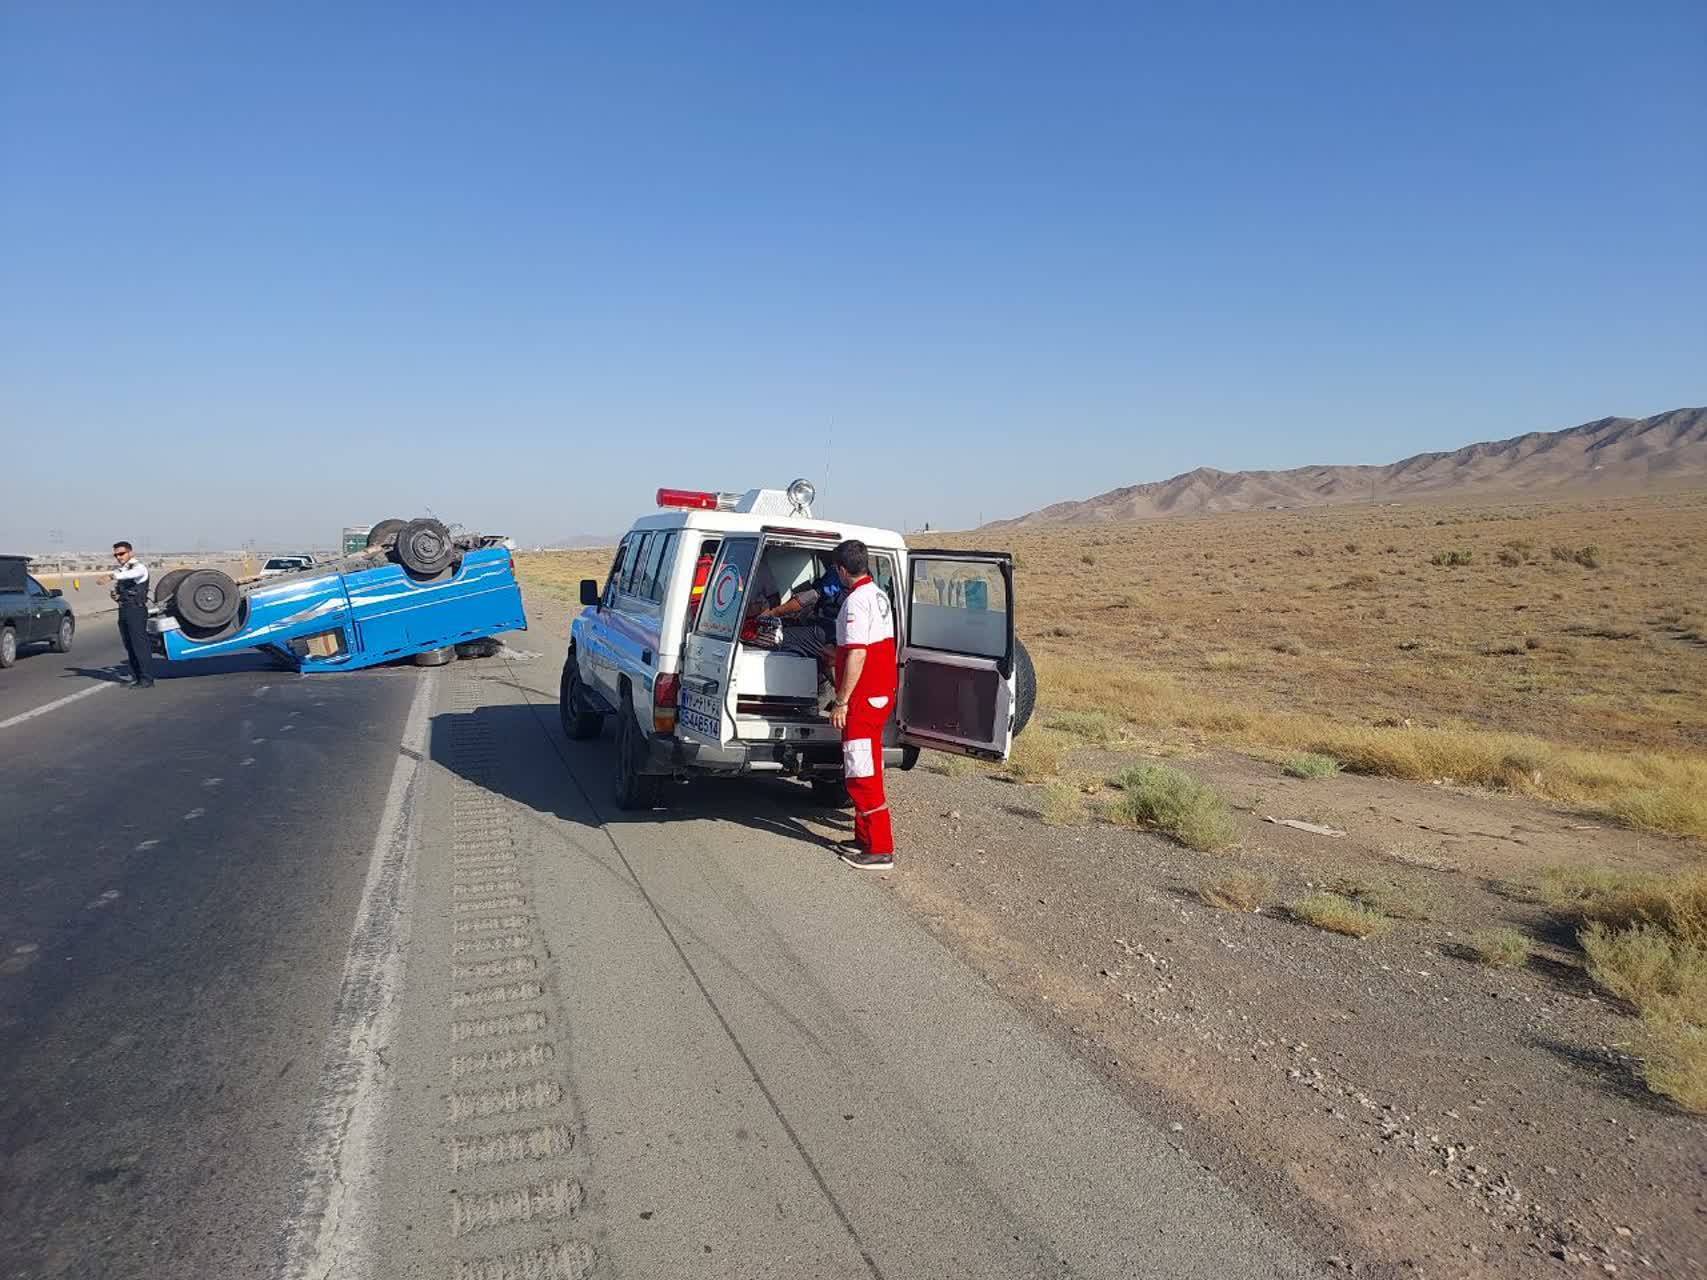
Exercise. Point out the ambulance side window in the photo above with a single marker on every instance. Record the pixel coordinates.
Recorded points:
(637, 563)
(613, 584)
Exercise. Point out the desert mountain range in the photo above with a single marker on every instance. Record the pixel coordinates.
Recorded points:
(1611, 455)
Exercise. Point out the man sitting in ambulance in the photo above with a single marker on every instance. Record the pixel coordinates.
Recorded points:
(809, 619)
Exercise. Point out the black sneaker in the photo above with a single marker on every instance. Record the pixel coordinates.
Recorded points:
(854, 856)
(142, 684)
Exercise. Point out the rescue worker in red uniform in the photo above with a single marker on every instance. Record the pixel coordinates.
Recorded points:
(865, 699)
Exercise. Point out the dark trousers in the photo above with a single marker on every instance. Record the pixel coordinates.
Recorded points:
(133, 629)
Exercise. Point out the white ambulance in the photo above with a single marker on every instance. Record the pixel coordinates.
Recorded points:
(659, 647)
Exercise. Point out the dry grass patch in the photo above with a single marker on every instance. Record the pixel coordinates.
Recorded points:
(1237, 891)
(1674, 1062)
(1093, 726)
(1502, 948)
(1155, 795)
(1038, 755)
(1339, 914)
(1653, 790)
(1310, 764)
(1064, 805)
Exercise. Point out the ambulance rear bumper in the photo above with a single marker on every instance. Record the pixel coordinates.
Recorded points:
(670, 754)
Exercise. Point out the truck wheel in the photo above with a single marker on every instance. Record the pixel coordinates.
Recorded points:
(168, 584)
(8, 646)
(1025, 688)
(62, 637)
(634, 789)
(206, 598)
(832, 793)
(436, 657)
(579, 724)
(425, 547)
(487, 648)
(384, 534)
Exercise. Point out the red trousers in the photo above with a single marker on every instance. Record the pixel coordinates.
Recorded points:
(862, 766)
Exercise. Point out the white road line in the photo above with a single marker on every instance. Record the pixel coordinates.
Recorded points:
(329, 1227)
(55, 705)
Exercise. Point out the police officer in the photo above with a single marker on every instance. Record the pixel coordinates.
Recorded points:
(130, 589)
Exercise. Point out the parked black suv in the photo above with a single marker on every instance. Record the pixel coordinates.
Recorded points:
(30, 613)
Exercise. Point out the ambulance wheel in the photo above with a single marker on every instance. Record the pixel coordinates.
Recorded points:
(1025, 688)
(487, 648)
(634, 789)
(385, 533)
(206, 598)
(61, 641)
(579, 724)
(8, 646)
(425, 547)
(832, 793)
(436, 657)
(168, 584)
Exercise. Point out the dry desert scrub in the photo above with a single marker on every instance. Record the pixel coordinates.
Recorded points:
(1309, 764)
(1154, 795)
(1649, 789)
(1502, 948)
(1236, 891)
(1339, 914)
(1645, 937)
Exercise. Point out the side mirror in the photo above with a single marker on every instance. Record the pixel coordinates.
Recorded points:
(56, 593)
(590, 592)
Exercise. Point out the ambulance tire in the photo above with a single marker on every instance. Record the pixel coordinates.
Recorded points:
(436, 657)
(634, 790)
(579, 724)
(1025, 688)
(384, 534)
(832, 793)
(206, 599)
(490, 647)
(168, 583)
(425, 547)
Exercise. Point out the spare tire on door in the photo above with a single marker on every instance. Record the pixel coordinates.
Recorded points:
(1025, 688)
(206, 598)
(385, 533)
(425, 547)
(168, 584)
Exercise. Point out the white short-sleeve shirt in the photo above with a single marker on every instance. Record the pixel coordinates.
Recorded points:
(866, 617)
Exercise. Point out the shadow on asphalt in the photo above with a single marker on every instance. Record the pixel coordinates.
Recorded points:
(584, 772)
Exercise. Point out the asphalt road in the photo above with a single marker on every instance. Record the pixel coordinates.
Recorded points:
(361, 976)
(176, 882)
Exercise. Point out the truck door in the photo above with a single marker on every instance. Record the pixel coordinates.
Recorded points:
(957, 656)
(707, 708)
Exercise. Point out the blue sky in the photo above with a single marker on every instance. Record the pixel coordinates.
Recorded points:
(266, 273)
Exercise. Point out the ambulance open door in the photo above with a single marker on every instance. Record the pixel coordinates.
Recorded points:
(957, 656)
(706, 705)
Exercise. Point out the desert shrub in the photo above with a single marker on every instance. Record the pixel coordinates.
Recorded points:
(1674, 1061)
(1622, 899)
(1087, 558)
(1361, 582)
(1506, 556)
(1290, 645)
(1454, 557)
(1564, 554)
(1351, 548)
(1064, 805)
(1306, 551)
(1661, 975)
(1588, 557)
(1500, 948)
(1037, 755)
(1236, 891)
(1154, 795)
(1310, 764)
(1224, 661)
(1338, 914)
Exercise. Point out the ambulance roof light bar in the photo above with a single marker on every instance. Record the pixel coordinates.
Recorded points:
(698, 499)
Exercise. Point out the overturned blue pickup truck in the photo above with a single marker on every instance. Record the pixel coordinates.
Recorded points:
(417, 591)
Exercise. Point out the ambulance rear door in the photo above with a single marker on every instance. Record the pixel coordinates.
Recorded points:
(706, 710)
(957, 656)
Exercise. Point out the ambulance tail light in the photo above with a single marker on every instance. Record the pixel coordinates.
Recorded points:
(664, 690)
(697, 499)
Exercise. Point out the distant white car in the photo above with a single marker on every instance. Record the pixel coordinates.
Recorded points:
(286, 564)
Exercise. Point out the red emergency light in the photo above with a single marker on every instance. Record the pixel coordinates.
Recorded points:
(697, 500)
